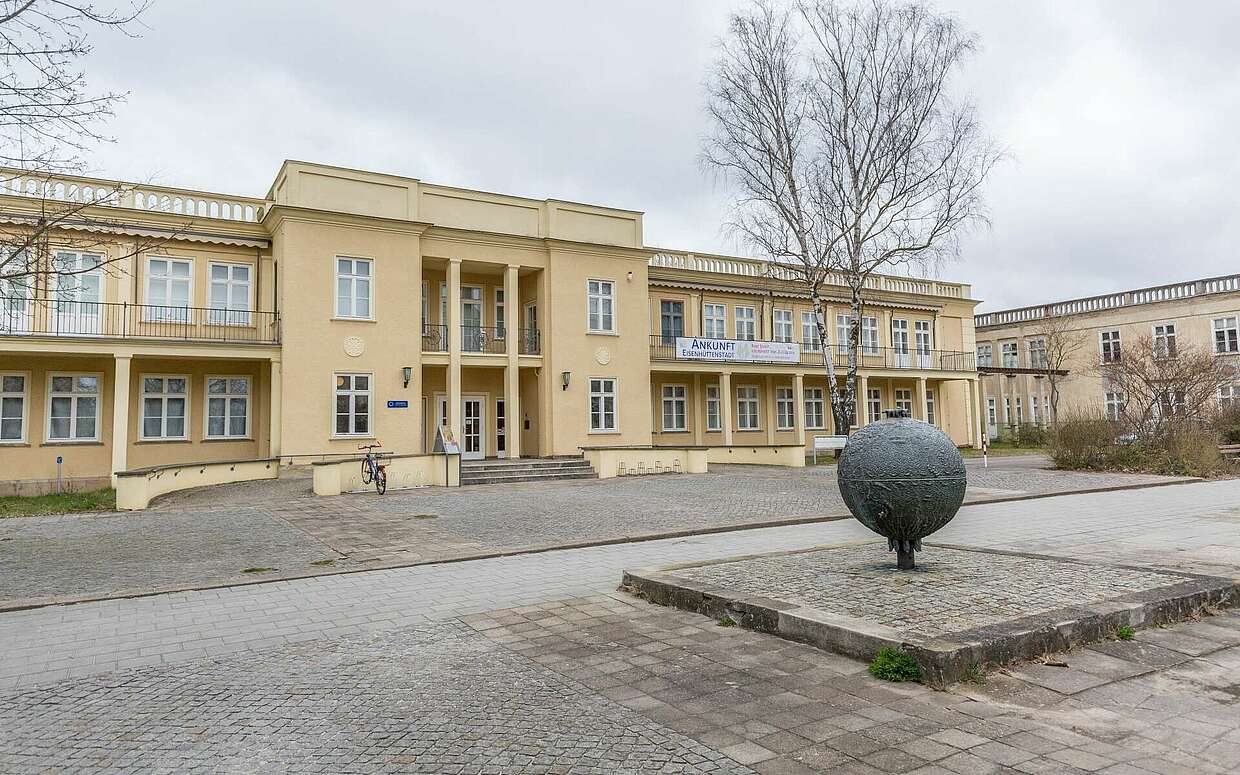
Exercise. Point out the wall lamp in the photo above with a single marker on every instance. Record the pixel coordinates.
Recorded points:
(407, 373)
(565, 376)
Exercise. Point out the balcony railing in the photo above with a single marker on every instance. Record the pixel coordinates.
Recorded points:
(111, 320)
(483, 339)
(663, 348)
(530, 342)
(480, 339)
(434, 339)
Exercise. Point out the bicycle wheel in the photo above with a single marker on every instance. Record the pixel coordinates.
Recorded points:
(381, 480)
(367, 473)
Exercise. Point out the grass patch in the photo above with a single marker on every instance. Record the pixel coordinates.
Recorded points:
(424, 516)
(894, 665)
(64, 503)
(1125, 633)
(973, 674)
(324, 563)
(998, 450)
(257, 570)
(726, 621)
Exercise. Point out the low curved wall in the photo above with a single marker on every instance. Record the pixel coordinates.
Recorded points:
(791, 455)
(609, 462)
(333, 477)
(135, 489)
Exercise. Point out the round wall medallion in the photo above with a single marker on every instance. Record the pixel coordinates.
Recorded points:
(602, 356)
(354, 346)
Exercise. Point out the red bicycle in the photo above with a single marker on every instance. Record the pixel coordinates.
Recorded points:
(372, 469)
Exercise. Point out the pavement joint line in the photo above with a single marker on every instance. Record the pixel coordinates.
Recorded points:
(614, 541)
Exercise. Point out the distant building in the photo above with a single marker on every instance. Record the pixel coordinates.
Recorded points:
(1011, 343)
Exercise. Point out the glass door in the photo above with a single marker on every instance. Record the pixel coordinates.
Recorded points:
(471, 319)
(921, 332)
(79, 290)
(671, 320)
(472, 447)
(899, 343)
(501, 437)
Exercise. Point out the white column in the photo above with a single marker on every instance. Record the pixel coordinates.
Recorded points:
(919, 406)
(699, 410)
(863, 408)
(798, 407)
(453, 308)
(768, 403)
(512, 375)
(120, 415)
(726, 400)
(274, 411)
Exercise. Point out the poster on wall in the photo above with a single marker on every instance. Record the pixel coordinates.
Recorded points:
(690, 348)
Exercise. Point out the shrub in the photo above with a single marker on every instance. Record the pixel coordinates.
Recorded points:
(1029, 435)
(892, 664)
(1083, 440)
(1226, 424)
(1172, 448)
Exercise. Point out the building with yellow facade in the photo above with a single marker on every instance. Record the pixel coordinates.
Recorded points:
(1012, 346)
(348, 306)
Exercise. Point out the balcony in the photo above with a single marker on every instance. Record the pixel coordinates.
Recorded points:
(490, 340)
(111, 320)
(766, 352)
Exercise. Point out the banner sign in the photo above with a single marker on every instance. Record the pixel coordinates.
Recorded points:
(689, 348)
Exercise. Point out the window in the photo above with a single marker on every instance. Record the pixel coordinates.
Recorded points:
(785, 408)
(671, 320)
(14, 303)
(602, 405)
(473, 336)
(781, 325)
(229, 295)
(1114, 405)
(163, 407)
(1037, 353)
(904, 400)
(985, 355)
(991, 418)
(352, 405)
(810, 341)
(868, 333)
(747, 408)
(899, 336)
(1228, 395)
(228, 407)
(1020, 412)
(1225, 335)
(73, 408)
(874, 404)
(674, 407)
(1046, 410)
(168, 289)
(1110, 346)
(426, 310)
(714, 321)
(1011, 355)
(930, 406)
(1034, 410)
(1007, 410)
(714, 421)
(600, 305)
(1164, 340)
(499, 313)
(744, 323)
(354, 290)
(815, 408)
(1171, 403)
(12, 408)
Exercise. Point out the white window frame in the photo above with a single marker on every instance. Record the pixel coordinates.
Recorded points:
(1020, 412)
(1226, 344)
(713, 401)
(1163, 338)
(230, 316)
(353, 277)
(1035, 415)
(785, 409)
(24, 396)
(426, 308)
(781, 325)
(1110, 346)
(607, 299)
(1010, 353)
(752, 395)
(673, 396)
(868, 340)
(931, 414)
(714, 326)
(985, 355)
(903, 399)
(163, 397)
(603, 393)
(1113, 404)
(1036, 349)
(228, 396)
(992, 412)
(810, 342)
(1229, 395)
(749, 319)
(16, 298)
(1007, 410)
(73, 412)
(500, 306)
(874, 404)
(353, 392)
(815, 409)
(167, 312)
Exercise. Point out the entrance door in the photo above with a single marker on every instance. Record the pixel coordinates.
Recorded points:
(501, 435)
(473, 424)
(79, 289)
(471, 319)
(899, 343)
(921, 331)
(531, 330)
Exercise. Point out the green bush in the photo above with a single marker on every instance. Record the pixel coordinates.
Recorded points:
(1029, 435)
(892, 664)
(1226, 424)
(1083, 441)
(1091, 442)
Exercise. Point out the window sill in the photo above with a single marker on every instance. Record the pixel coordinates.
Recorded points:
(604, 433)
(70, 443)
(140, 442)
(349, 437)
(674, 430)
(353, 320)
(14, 443)
(602, 333)
(221, 439)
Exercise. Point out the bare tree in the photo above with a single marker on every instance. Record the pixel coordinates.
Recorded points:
(1060, 342)
(848, 154)
(49, 120)
(1158, 387)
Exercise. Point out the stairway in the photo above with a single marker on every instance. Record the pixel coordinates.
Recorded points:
(525, 470)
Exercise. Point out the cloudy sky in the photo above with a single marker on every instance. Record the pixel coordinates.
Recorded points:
(1121, 117)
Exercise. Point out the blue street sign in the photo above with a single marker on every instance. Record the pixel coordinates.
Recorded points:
(398, 404)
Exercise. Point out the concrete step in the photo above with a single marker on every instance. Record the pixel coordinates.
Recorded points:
(468, 478)
(551, 464)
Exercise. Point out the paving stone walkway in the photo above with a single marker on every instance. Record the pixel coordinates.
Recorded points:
(263, 530)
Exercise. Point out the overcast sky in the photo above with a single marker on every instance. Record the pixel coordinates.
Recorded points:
(1121, 117)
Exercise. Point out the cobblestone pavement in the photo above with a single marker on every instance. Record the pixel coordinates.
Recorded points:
(602, 684)
(210, 536)
(950, 591)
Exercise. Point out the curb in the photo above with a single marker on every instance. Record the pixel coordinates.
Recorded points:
(613, 541)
